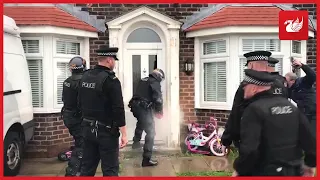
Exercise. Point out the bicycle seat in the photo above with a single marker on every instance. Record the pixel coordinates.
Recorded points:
(212, 122)
(198, 128)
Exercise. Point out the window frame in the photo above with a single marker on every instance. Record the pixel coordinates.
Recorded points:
(47, 45)
(275, 54)
(34, 55)
(72, 40)
(212, 103)
(234, 43)
(264, 37)
(200, 103)
(38, 56)
(280, 57)
(298, 55)
(55, 81)
(63, 58)
(203, 56)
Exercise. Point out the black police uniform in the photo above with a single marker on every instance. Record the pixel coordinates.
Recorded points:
(72, 116)
(274, 134)
(304, 94)
(280, 81)
(101, 102)
(232, 127)
(147, 98)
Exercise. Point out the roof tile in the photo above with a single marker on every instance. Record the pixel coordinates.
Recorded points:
(52, 16)
(240, 16)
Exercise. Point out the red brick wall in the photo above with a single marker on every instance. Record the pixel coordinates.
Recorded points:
(50, 136)
(312, 43)
(110, 11)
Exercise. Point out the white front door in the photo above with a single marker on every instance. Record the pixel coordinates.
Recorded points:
(139, 64)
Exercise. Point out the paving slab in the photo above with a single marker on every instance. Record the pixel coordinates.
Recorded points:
(42, 166)
(168, 166)
(132, 167)
(189, 164)
(218, 163)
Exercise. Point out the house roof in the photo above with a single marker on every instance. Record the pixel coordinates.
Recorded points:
(45, 15)
(239, 15)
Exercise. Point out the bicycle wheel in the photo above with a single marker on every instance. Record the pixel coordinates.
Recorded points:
(187, 142)
(217, 148)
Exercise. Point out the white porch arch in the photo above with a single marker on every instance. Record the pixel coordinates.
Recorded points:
(168, 31)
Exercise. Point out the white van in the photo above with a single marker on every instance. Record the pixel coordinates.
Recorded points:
(18, 123)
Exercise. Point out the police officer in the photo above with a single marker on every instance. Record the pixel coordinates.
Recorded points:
(257, 60)
(101, 103)
(272, 64)
(146, 102)
(280, 81)
(274, 133)
(301, 91)
(71, 113)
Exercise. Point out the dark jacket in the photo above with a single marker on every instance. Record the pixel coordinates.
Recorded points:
(232, 127)
(70, 92)
(100, 97)
(274, 133)
(281, 82)
(149, 90)
(303, 92)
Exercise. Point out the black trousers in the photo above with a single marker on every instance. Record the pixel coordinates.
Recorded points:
(313, 122)
(278, 170)
(101, 145)
(73, 124)
(145, 122)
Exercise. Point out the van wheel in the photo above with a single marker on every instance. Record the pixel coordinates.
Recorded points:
(12, 154)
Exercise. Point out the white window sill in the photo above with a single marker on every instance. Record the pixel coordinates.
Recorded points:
(223, 106)
(296, 55)
(45, 110)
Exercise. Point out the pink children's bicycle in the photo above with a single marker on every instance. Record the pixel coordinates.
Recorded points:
(197, 142)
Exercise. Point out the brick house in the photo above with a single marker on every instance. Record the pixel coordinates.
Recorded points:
(166, 36)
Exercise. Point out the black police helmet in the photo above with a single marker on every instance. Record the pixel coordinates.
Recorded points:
(77, 64)
(158, 73)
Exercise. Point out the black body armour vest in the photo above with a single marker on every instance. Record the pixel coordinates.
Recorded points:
(143, 91)
(92, 98)
(280, 134)
(306, 100)
(70, 92)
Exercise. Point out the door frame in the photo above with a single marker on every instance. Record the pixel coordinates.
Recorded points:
(144, 49)
(136, 49)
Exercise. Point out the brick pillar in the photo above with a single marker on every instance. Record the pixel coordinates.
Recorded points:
(50, 137)
(311, 43)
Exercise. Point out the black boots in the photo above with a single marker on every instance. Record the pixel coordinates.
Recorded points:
(136, 145)
(149, 162)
